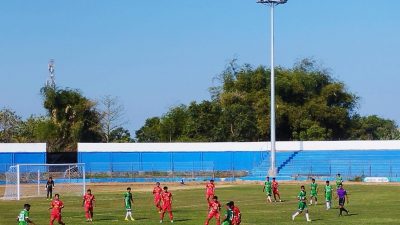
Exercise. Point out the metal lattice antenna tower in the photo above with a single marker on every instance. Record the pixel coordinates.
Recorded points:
(51, 81)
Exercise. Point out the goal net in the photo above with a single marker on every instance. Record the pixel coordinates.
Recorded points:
(29, 180)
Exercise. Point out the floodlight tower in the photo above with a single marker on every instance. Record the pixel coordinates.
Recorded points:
(272, 3)
(51, 81)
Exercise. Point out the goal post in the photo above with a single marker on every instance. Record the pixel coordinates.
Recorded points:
(29, 180)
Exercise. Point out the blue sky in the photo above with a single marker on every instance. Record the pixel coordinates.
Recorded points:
(157, 54)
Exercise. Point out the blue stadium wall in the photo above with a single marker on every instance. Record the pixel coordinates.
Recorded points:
(170, 156)
(165, 161)
(11, 154)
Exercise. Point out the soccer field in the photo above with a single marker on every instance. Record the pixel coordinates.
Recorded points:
(369, 204)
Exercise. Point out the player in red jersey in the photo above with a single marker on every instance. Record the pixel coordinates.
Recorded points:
(166, 198)
(210, 190)
(157, 191)
(215, 208)
(56, 205)
(88, 203)
(237, 216)
(275, 190)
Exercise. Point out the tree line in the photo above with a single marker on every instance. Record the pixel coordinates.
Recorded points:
(310, 105)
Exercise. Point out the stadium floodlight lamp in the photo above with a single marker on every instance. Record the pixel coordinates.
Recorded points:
(272, 170)
(272, 1)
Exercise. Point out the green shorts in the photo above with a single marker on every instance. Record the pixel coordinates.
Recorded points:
(268, 192)
(226, 223)
(328, 198)
(313, 194)
(302, 206)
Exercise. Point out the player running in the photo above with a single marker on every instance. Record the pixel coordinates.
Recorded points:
(302, 197)
(314, 192)
(342, 194)
(23, 217)
(268, 189)
(56, 205)
(275, 190)
(128, 201)
(237, 216)
(328, 195)
(339, 180)
(88, 204)
(166, 198)
(210, 190)
(157, 190)
(215, 208)
(228, 217)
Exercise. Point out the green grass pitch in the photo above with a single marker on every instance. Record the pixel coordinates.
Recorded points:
(369, 204)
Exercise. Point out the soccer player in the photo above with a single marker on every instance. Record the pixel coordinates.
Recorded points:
(210, 190)
(275, 190)
(342, 194)
(166, 198)
(302, 197)
(88, 203)
(328, 195)
(214, 207)
(23, 217)
(49, 188)
(314, 192)
(128, 201)
(56, 205)
(339, 180)
(268, 189)
(228, 217)
(157, 190)
(237, 216)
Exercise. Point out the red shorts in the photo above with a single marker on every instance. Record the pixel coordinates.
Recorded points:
(167, 207)
(88, 208)
(157, 199)
(275, 191)
(236, 221)
(213, 214)
(54, 216)
(209, 195)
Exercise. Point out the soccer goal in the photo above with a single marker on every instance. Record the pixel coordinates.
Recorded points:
(29, 180)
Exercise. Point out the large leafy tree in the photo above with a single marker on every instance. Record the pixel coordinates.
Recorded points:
(73, 119)
(311, 105)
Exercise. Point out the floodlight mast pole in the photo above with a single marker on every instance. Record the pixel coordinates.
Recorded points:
(272, 3)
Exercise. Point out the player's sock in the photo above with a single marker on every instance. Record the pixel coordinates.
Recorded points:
(126, 215)
(310, 201)
(294, 215)
(308, 217)
(347, 212)
(340, 211)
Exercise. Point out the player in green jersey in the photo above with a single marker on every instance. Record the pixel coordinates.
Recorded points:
(302, 197)
(228, 214)
(328, 195)
(314, 192)
(268, 189)
(23, 217)
(128, 201)
(339, 180)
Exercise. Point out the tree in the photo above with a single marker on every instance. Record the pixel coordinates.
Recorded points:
(120, 135)
(112, 113)
(310, 103)
(150, 131)
(73, 119)
(374, 128)
(10, 123)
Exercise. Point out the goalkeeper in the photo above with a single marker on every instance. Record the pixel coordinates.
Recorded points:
(49, 188)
